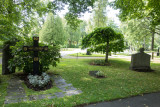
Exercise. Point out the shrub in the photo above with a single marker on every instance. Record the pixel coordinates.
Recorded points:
(24, 60)
(99, 62)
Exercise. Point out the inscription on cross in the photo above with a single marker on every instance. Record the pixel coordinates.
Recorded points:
(35, 48)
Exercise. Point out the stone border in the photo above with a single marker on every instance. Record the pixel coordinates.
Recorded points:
(16, 92)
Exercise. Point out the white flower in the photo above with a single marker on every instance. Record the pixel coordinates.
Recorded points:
(39, 80)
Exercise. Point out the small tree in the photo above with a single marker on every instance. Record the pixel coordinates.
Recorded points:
(104, 40)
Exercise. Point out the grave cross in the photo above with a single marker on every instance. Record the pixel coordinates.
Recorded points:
(35, 48)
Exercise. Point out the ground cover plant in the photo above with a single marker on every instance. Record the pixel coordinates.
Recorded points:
(120, 83)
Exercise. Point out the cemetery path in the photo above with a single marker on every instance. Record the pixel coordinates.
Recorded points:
(15, 91)
(146, 100)
(0, 60)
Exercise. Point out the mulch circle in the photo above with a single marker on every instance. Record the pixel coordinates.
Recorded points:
(93, 73)
(100, 76)
(23, 77)
(92, 63)
(144, 70)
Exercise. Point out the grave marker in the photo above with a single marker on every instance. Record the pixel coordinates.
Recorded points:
(35, 48)
(140, 61)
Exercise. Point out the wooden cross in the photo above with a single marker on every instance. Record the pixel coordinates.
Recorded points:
(35, 48)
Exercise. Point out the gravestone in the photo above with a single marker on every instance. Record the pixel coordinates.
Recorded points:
(140, 61)
(88, 52)
(35, 48)
(7, 55)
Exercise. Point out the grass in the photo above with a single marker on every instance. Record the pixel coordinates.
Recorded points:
(3, 86)
(84, 55)
(125, 54)
(52, 90)
(120, 83)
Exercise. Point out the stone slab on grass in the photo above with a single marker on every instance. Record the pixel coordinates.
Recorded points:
(16, 92)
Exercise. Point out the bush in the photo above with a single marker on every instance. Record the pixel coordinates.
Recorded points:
(99, 62)
(24, 60)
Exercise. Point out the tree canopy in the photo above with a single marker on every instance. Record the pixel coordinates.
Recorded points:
(17, 16)
(104, 40)
(130, 9)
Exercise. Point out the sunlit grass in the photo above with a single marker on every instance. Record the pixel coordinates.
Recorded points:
(49, 91)
(3, 86)
(120, 83)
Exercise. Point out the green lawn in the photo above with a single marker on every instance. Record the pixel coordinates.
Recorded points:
(120, 83)
(3, 86)
(125, 54)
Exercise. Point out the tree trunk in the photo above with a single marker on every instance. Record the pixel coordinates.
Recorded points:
(77, 43)
(70, 43)
(152, 45)
(107, 49)
(144, 43)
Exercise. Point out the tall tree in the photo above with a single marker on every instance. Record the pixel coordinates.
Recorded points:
(52, 31)
(136, 33)
(99, 13)
(112, 24)
(16, 16)
(73, 36)
(141, 9)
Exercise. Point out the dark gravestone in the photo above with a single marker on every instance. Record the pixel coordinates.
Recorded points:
(140, 61)
(35, 48)
(88, 52)
(6, 56)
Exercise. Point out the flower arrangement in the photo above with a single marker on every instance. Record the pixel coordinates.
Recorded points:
(100, 74)
(40, 81)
